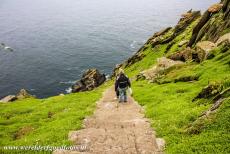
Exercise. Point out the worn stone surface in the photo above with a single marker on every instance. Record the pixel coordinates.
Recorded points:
(117, 129)
(91, 79)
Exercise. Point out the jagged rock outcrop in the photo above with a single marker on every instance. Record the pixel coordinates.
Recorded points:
(9, 98)
(162, 64)
(22, 94)
(211, 27)
(91, 79)
(182, 43)
(188, 54)
(209, 91)
(205, 47)
(135, 58)
(159, 38)
(224, 38)
(183, 23)
(215, 8)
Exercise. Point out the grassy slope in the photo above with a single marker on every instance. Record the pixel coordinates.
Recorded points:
(170, 105)
(26, 122)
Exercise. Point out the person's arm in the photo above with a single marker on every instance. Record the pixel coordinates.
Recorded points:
(129, 83)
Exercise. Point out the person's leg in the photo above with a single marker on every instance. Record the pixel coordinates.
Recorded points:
(120, 95)
(117, 93)
(125, 95)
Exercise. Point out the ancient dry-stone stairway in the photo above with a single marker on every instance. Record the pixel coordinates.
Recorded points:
(116, 128)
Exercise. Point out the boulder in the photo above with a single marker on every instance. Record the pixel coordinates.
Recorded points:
(205, 46)
(162, 64)
(200, 54)
(91, 79)
(22, 94)
(222, 39)
(187, 54)
(209, 91)
(215, 8)
(9, 98)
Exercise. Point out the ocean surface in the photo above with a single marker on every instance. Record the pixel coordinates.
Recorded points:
(54, 41)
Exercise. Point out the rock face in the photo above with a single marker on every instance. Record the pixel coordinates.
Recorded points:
(215, 8)
(182, 43)
(22, 94)
(211, 27)
(9, 98)
(91, 79)
(187, 54)
(205, 47)
(162, 64)
(209, 91)
(222, 39)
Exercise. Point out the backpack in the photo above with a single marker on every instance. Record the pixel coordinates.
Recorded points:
(122, 81)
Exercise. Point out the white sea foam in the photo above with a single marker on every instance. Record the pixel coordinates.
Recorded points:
(68, 90)
(67, 82)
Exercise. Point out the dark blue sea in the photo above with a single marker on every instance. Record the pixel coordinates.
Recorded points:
(54, 41)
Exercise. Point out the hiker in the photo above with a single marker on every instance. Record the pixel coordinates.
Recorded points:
(121, 85)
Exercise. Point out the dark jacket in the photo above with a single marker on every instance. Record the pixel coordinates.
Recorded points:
(122, 81)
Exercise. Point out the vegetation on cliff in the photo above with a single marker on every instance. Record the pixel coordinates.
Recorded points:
(188, 103)
(184, 101)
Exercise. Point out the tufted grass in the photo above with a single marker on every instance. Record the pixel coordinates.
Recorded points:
(45, 122)
(170, 107)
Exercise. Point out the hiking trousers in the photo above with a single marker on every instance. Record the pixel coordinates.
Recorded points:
(122, 94)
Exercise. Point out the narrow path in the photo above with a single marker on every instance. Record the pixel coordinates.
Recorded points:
(116, 128)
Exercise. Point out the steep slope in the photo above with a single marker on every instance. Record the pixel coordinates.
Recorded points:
(187, 102)
(186, 95)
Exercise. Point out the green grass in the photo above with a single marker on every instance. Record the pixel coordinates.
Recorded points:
(168, 104)
(46, 121)
(171, 109)
(148, 61)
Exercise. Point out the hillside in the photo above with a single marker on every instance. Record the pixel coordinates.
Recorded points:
(181, 76)
(187, 102)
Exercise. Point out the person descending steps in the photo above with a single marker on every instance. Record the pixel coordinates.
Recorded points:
(122, 83)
